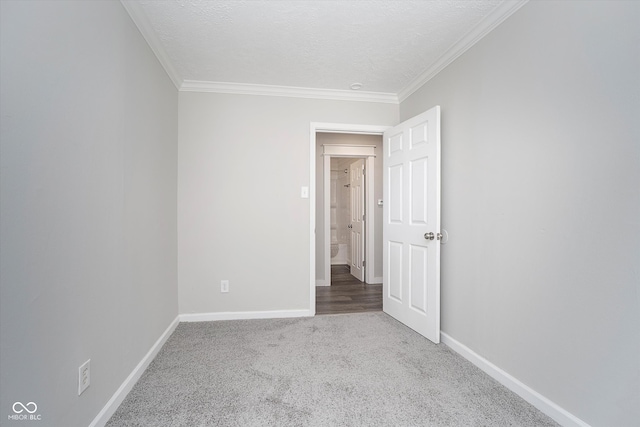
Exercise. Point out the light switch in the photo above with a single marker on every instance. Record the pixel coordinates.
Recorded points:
(304, 192)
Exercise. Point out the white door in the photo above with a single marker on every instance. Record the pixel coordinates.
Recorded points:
(411, 223)
(356, 226)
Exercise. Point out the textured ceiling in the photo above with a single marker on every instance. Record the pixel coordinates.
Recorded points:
(385, 45)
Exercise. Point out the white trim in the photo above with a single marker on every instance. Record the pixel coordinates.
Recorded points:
(376, 281)
(243, 315)
(346, 128)
(134, 8)
(495, 18)
(118, 397)
(289, 91)
(353, 146)
(339, 150)
(545, 405)
(367, 153)
(323, 283)
(312, 219)
(326, 196)
(370, 235)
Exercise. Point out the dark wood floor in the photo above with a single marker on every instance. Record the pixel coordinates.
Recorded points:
(347, 294)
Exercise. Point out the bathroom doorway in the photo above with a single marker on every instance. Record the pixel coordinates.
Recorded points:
(347, 214)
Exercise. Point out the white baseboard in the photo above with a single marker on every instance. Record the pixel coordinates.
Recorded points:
(244, 315)
(112, 405)
(322, 283)
(376, 281)
(545, 405)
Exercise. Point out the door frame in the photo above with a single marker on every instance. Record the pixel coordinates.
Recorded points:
(314, 128)
(355, 152)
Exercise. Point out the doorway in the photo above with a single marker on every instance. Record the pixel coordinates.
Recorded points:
(340, 145)
(336, 255)
(411, 221)
(346, 212)
(348, 291)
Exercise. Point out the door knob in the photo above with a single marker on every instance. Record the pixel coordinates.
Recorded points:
(429, 236)
(350, 226)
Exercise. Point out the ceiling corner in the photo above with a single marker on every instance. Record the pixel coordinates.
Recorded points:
(139, 18)
(484, 27)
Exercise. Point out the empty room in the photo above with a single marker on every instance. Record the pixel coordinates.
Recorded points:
(166, 222)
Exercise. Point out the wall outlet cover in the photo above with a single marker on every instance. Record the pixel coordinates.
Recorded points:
(84, 376)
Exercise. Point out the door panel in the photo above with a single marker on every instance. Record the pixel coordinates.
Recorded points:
(356, 186)
(418, 280)
(394, 271)
(411, 164)
(395, 194)
(418, 180)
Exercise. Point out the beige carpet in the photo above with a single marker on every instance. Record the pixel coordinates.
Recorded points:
(340, 370)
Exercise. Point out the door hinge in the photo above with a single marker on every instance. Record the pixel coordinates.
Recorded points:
(364, 263)
(363, 216)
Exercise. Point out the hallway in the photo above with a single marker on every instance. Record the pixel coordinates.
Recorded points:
(347, 294)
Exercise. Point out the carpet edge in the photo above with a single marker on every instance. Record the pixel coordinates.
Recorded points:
(542, 403)
(118, 397)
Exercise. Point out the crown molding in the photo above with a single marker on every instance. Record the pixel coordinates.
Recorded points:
(495, 18)
(134, 9)
(137, 14)
(288, 91)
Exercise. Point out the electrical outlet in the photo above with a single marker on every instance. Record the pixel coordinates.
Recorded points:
(224, 286)
(84, 376)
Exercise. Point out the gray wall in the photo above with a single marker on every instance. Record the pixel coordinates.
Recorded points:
(242, 160)
(352, 139)
(88, 205)
(541, 197)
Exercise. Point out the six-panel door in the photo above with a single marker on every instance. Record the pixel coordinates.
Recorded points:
(411, 283)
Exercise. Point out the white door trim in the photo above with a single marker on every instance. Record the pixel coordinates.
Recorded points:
(358, 153)
(348, 150)
(330, 128)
